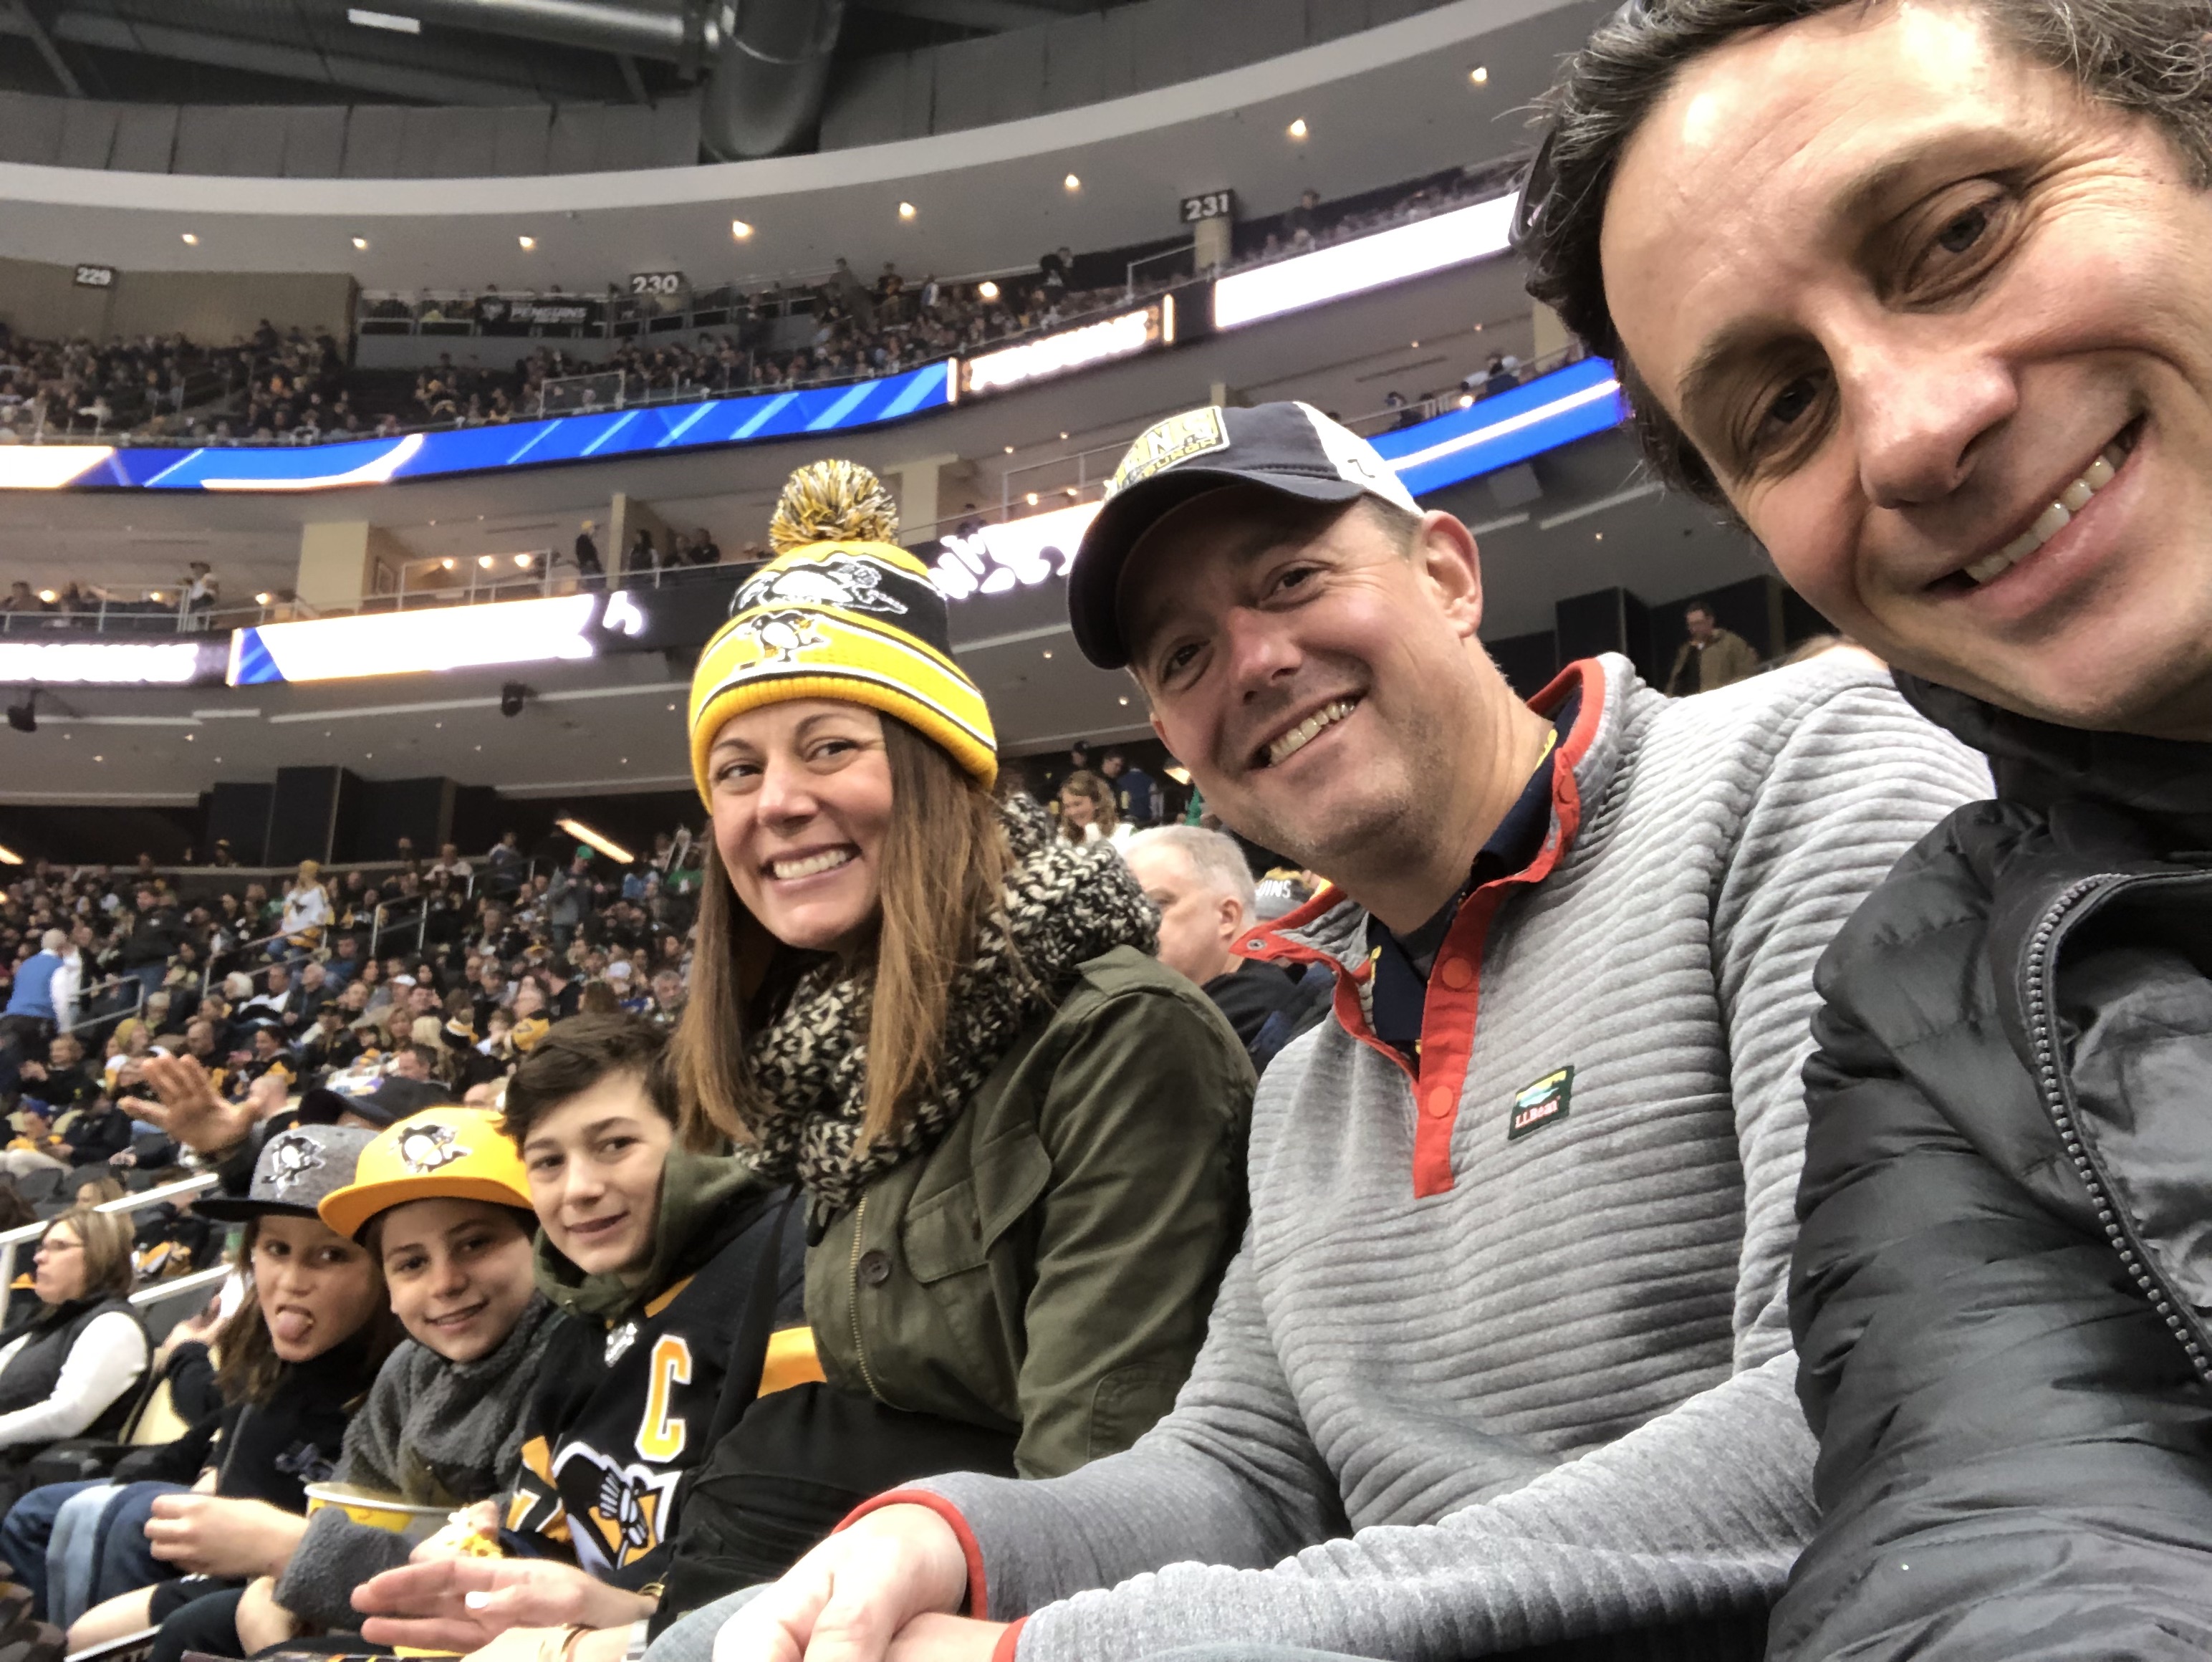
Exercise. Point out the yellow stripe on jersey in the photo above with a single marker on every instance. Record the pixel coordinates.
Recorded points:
(791, 1361)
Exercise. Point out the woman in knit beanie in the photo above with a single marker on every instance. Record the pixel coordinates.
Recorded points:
(1019, 1138)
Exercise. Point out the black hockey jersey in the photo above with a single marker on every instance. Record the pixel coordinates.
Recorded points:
(621, 1416)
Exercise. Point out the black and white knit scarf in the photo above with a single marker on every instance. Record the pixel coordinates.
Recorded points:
(1065, 903)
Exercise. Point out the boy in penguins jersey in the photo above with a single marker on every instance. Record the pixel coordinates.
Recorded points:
(654, 1251)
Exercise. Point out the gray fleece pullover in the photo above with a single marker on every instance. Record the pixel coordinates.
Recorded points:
(434, 1432)
(1466, 1390)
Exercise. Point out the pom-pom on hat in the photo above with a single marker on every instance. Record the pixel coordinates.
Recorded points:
(841, 612)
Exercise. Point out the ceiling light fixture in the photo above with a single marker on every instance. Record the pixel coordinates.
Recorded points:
(1071, 183)
(606, 845)
(739, 230)
(1298, 128)
(523, 560)
(906, 210)
(526, 243)
(361, 244)
(191, 240)
(1479, 74)
(9, 856)
(485, 561)
(264, 598)
(986, 289)
(48, 595)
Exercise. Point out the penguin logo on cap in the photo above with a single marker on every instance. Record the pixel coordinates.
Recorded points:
(843, 580)
(782, 636)
(424, 1149)
(291, 1158)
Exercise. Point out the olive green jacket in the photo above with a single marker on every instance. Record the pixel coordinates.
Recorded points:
(1049, 1268)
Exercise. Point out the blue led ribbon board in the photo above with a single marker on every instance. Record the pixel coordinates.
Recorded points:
(1552, 410)
(746, 420)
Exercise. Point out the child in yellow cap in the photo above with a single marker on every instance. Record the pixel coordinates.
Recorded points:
(442, 1200)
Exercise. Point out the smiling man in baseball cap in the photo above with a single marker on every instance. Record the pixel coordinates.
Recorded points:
(1521, 1211)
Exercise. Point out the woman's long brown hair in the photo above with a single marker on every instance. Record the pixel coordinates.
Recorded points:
(945, 867)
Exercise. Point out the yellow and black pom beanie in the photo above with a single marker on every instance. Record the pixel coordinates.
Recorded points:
(843, 611)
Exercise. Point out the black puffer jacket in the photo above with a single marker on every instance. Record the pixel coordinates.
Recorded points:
(2003, 1284)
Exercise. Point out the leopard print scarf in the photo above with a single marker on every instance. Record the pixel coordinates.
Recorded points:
(1065, 903)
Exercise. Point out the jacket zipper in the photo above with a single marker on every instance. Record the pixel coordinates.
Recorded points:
(860, 1350)
(2134, 1256)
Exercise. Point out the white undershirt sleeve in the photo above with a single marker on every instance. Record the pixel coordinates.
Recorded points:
(108, 1359)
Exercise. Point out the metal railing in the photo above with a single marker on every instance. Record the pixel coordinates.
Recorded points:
(12, 1238)
(1181, 251)
(422, 904)
(460, 313)
(83, 1022)
(207, 969)
(460, 580)
(406, 590)
(140, 611)
(177, 1287)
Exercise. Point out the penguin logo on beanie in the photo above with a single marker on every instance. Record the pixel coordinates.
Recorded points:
(782, 636)
(844, 581)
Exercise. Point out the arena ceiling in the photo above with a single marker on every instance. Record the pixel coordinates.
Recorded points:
(267, 51)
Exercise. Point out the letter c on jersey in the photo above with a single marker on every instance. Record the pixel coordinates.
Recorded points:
(659, 1437)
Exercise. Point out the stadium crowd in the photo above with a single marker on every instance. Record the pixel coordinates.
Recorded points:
(1733, 1182)
(293, 387)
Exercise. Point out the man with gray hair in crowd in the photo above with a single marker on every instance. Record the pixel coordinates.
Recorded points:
(1204, 889)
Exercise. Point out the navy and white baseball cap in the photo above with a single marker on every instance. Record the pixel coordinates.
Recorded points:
(1290, 448)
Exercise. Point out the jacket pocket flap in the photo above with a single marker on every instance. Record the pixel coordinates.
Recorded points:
(955, 1229)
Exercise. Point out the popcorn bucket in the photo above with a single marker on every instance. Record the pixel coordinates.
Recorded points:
(413, 1524)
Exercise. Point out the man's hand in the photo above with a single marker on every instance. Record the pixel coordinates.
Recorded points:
(32, 1070)
(191, 1110)
(205, 1535)
(464, 1603)
(853, 1595)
